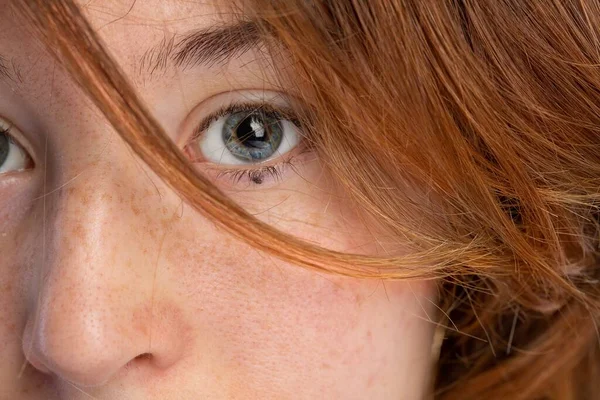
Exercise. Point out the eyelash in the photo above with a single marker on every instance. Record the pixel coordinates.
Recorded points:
(254, 175)
(6, 131)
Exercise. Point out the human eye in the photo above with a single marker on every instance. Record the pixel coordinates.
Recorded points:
(250, 137)
(13, 157)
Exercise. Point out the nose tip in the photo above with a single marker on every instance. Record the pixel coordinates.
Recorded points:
(94, 356)
(86, 357)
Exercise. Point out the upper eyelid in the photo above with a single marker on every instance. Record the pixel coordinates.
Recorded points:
(207, 110)
(286, 112)
(194, 147)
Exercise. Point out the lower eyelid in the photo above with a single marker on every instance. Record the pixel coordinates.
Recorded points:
(261, 174)
(255, 176)
(299, 150)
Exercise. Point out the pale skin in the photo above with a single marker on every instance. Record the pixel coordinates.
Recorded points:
(112, 288)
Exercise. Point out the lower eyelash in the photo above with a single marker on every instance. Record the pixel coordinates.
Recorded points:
(256, 176)
(260, 175)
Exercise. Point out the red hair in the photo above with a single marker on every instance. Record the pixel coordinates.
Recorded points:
(469, 130)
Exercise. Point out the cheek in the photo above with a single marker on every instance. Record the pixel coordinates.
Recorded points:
(276, 330)
(266, 321)
(308, 204)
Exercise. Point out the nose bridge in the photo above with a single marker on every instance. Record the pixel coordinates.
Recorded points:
(95, 227)
(96, 220)
(94, 297)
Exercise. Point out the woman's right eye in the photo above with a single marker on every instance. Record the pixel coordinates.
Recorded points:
(13, 157)
(249, 136)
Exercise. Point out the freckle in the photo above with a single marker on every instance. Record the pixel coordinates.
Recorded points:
(106, 197)
(79, 231)
(140, 322)
(86, 198)
(136, 210)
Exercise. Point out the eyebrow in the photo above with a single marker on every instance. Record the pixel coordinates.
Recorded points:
(210, 46)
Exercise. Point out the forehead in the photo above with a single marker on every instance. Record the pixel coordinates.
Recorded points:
(118, 21)
(131, 31)
(135, 31)
(133, 24)
(164, 12)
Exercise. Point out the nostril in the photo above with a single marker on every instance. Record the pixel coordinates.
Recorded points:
(30, 352)
(141, 359)
(36, 363)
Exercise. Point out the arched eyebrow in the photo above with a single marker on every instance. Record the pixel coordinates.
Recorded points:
(210, 46)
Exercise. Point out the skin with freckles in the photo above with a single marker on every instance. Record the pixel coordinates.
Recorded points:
(112, 288)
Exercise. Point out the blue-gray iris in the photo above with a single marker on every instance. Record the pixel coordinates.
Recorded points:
(253, 135)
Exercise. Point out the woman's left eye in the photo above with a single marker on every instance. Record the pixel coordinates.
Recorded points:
(246, 136)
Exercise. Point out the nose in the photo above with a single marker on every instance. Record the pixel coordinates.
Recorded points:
(96, 308)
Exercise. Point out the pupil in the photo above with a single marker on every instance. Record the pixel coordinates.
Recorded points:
(253, 136)
(4, 147)
(252, 132)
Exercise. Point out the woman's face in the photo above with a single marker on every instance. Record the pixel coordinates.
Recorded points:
(112, 288)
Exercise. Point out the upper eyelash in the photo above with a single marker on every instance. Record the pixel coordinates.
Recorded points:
(11, 139)
(285, 112)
